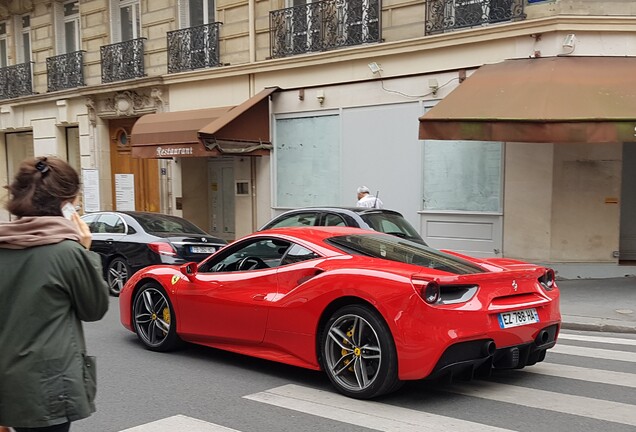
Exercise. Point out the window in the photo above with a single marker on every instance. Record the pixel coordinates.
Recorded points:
(299, 219)
(307, 156)
(3, 44)
(200, 12)
(332, 219)
(23, 39)
(126, 20)
(71, 26)
(296, 254)
(463, 176)
(252, 255)
(129, 19)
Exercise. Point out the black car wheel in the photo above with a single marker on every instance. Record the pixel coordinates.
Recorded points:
(154, 319)
(117, 274)
(358, 353)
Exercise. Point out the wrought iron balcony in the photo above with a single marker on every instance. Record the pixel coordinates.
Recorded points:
(193, 48)
(323, 26)
(123, 60)
(16, 81)
(446, 15)
(65, 71)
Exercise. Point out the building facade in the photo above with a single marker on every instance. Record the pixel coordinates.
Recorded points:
(229, 112)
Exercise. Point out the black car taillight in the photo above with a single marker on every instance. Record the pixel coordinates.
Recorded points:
(548, 280)
(162, 248)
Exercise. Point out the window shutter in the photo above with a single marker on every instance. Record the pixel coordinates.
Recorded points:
(60, 31)
(17, 37)
(115, 28)
(183, 6)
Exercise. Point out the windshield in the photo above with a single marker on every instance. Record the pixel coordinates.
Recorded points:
(160, 223)
(404, 251)
(390, 223)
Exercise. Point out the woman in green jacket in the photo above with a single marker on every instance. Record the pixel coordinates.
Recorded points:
(50, 283)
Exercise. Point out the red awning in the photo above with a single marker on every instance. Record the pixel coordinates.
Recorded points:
(551, 99)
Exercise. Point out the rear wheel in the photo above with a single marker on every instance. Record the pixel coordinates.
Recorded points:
(117, 274)
(358, 353)
(154, 319)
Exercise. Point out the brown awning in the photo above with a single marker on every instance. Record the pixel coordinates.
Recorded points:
(551, 99)
(241, 129)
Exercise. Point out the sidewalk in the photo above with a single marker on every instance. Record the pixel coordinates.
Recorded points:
(597, 297)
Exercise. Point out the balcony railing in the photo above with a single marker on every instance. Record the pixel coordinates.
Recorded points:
(65, 71)
(323, 26)
(446, 15)
(193, 48)
(123, 60)
(16, 81)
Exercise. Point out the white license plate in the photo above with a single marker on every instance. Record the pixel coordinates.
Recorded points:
(518, 318)
(202, 249)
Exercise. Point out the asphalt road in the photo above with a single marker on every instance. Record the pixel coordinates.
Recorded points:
(585, 384)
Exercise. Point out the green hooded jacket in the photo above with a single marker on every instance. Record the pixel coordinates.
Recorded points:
(49, 283)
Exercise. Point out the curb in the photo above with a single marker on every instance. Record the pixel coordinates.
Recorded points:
(597, 324)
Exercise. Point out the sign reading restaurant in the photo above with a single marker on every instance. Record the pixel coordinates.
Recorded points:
(170, 151)
(174, 152)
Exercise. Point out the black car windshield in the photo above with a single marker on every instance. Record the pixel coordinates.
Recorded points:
(390, 223)
(160, 223)
(404, 251)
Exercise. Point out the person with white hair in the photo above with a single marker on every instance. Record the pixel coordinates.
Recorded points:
(367, 200)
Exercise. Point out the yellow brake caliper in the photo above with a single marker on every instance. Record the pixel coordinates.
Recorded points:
(356, 351)
(166, 315)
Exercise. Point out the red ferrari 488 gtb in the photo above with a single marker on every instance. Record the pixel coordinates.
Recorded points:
(370, 309)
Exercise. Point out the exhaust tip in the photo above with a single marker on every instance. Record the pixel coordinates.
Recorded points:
(489, 348)
(542, 337)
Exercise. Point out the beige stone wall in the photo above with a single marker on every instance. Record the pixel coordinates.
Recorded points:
(42, 42)
(95, 18)
(581, 7)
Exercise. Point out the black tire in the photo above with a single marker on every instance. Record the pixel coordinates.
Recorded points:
(117, 274)
(154, 319)
(358, 353)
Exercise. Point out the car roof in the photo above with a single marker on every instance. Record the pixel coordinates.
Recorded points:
(358, 210)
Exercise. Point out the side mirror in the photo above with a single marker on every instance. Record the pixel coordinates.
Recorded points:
(189, 269)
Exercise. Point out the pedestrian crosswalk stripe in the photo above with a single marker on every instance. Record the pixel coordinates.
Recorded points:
(594, 352)
(584, 374)
(368, 414)
(546, 400)
(607, 340)
(179, 423)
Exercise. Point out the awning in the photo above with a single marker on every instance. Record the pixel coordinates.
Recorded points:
(242, 129)
(551, 99)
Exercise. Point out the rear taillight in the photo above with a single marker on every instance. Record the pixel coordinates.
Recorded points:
(162, 248)
(548, 280)
(428, 290)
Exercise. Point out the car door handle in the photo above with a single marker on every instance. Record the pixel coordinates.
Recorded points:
(259, 297)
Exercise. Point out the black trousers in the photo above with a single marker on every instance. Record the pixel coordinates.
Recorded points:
(57, 428)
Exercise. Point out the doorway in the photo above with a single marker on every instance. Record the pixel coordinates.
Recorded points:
(145, 172)
(221, 203)
(627, 244)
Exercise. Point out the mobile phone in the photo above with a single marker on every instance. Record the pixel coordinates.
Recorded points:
(67, 210)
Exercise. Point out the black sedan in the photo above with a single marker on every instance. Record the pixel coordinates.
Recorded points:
(128, 241)
(382, 220)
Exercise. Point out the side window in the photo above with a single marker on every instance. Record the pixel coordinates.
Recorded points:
(332, 219)
(90, 220)
(112, 224)
(299, 219)
(297, 254)
(258, 254)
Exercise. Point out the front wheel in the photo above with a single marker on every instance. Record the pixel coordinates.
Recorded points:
(358, 353)
(117, 274)
(154, 319)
